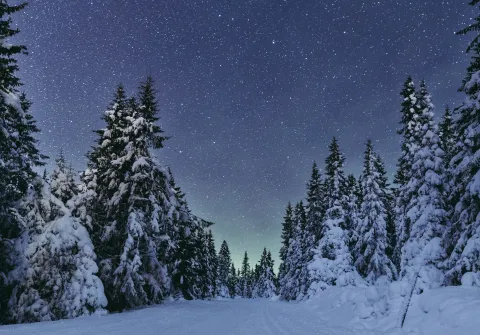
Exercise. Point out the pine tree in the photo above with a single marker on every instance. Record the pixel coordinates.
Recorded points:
(132, 212)
(58, 270)
(287, 235)
(18, 149)
(223, 274)
(372, 261)
(62, 183)
(410, 139)
(351, 205)
(264, 286)
(208, 266)
(462, 239)
(245, 278)
(332, 262)
(294, 281)
(315, 204)
(425, 210)
(232, 282)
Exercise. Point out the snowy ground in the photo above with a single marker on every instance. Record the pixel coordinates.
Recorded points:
(453, 310)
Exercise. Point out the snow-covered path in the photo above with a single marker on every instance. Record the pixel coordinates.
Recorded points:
(336, 311)
(194, 317)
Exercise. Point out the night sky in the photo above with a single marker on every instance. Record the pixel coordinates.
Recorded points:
(251, 92)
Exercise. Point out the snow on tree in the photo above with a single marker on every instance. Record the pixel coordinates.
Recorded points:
(462, 239)
(425, 210)
(294, 282)
(232, 282)
(351, 205)
(62, 180)
(208, 265)
(245, 278)
(315, 205)
(223, 272)
(18, 149)
(332, 260)
(264, 286)
(58, 269)
(132, 212)
(287, 235)
(410, 140)
(372, 261)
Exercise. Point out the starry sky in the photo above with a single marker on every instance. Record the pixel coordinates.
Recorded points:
(251, 92)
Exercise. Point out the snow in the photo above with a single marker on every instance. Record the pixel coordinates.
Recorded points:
(353, 310)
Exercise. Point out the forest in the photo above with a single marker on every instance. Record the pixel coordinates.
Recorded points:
(120, 235)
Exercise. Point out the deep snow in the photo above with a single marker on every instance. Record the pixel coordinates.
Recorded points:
(451, 310)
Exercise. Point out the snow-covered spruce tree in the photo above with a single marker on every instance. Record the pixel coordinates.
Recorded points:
(264, 286)
(293, 282)
(315, 206)
(389, 203)
(287, 235)
(18, 150)
(332, 261)
(232, 281)
(425, 210)
(223, 272)
(208, 265)
(245, 279)
(132, 212)
(352, 207)
(58, 268)
(410, 139)
(372, 261)
(62, 180)
(462, 239)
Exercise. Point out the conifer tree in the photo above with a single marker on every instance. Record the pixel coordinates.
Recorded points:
(287, 235)
(294, 281)
(332, 261)
(232, 281)
(18, 149)
(352, 208)
(315, 204)
(245, 278)
(132, 212)
(372, 261)
(223, 274)
(58, 269)
(62, 180)
(462, 238)
(425, 210)
(410, 139)
(264, 286)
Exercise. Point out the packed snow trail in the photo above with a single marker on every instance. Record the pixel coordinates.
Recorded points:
(336, 311)
(192, 317)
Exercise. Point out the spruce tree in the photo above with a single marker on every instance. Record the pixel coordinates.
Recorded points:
(245, 278)
(132, 211)
(352, 207)
(410, 139)
(58, 268)
(62, 180)
(462, 238)
(315, 204)
(332, 261)
(425, 209)
(223, 273)
(264, 286)
(232, 281)
(372, 261)
(18, 150)
(287, 235)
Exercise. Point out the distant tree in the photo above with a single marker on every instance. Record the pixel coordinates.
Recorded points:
(287, 235)
(264, 286)
(223, 274)
(62, 180)
(245, 278)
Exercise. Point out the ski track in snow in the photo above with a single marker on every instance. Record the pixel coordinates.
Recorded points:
(236, 317)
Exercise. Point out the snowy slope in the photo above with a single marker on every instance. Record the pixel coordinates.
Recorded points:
(452, 310)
